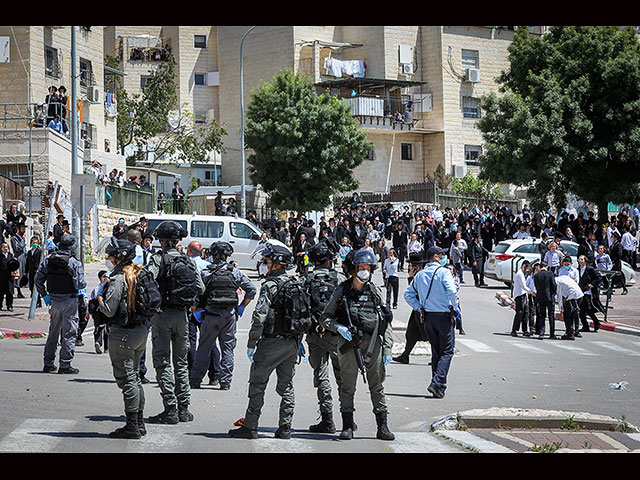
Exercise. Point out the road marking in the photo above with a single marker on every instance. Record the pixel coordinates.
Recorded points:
(617, 348)
(416, 442)
(476, 346)
(275, 445)
(36, 435)
(527, 346)
(572, 348)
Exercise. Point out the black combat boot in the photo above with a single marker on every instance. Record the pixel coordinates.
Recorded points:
(169, 416)
(383, 430)
(283, 432)
(130, 430)
(243, 432)
(141, 427)
(184, 415)
(326, 425)
(347, 426)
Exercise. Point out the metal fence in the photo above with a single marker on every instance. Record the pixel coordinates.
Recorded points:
(126, 198)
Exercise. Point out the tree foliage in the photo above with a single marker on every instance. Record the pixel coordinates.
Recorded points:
(470, 186)
(154, 122)
(304, 145)
(567, 116)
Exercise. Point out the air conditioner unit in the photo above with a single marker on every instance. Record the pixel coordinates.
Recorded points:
(472, 75)
(93, 94)
(407, 68)
(459, 171)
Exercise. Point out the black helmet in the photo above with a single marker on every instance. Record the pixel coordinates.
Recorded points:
(121, 250)
(169, 230)
(67, 242)
(347, 264)
(320, 253)
(221, 249)
(365, 256)
(277, 253)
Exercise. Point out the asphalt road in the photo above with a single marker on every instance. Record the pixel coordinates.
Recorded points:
(52, 413)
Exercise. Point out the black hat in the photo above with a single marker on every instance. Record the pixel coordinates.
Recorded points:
(417, 258)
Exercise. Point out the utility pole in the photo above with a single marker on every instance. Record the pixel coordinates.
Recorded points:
(244, 190)
(78, 221)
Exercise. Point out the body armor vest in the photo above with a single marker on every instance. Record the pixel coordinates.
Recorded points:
(362, 306)
(221, 289)
(59, 277)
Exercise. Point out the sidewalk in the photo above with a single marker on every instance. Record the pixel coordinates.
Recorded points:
(512, 430)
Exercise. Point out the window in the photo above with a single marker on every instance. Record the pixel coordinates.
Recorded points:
(472, 154)
(471, 107)
(204, 229)
(570, 248)
(143, 80)
(407, 151)
(470, 59)
(528, 248)
(51, 66)
(86, 73)
(199, 41)
(200, 79)
(240, 230)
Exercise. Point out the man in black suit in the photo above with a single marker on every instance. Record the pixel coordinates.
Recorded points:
(58, 230)
(178, 198)
(589, 281)
(400, 242)
(8, 265)
(477, 254)
(358, 235)
(616, 252)
(546, 287)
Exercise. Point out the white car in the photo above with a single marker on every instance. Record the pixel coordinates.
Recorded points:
(207, 229)
(500, 263)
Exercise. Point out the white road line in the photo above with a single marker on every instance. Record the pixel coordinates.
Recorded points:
(36, 435)
(617, 348)
(476, 346)
(571, 348)
(527, 346)
(274, 445)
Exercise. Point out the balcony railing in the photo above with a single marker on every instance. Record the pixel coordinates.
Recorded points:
(127, 198)
(389, 112)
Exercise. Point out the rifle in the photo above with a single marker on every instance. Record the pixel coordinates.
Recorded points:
(356, 340)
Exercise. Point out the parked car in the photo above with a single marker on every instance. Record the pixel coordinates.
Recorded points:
(500, 263)
(207, 229)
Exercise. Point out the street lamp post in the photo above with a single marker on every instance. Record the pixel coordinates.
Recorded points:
(244, 192)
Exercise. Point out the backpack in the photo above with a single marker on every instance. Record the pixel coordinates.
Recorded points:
(292, 308)
(321, 286)
(178, 285)
(148, 297)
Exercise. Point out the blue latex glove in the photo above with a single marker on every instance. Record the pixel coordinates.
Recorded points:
(199, 315)
(47, 300)
(250, 352)
(102, 287)
(386, 360)
(240, 310)
(344, 331)
(302, 350)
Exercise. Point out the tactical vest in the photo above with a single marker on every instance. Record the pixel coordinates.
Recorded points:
(321, 283)
(363, 306)
(59, 277)
(221, 290)
(290, 310)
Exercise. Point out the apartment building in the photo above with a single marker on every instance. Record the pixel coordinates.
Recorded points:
(415, 89)
(35, 58)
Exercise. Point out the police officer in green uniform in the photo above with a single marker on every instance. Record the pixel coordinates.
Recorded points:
(357, 312)
(127, 337)
(323, 344)
(272, 345)
(58, 280)
(180, 286)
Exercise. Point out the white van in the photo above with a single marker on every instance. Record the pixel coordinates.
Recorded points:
(207, 229)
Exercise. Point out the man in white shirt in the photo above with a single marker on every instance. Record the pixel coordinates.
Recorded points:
(520, 292)
(569, 294)
(437, 215)
(629, 246)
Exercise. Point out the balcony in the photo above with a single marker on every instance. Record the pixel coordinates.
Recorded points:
(379, 103)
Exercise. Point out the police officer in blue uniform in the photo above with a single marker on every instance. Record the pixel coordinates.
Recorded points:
(433, 292)
(58, 280)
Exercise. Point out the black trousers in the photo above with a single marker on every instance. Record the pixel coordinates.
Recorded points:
(542, 312)
(587, 309)
(571, 314)
(415, 333)
(478, 272)
(532, 313)
(393, 285)
(520, 318)
(8, 291)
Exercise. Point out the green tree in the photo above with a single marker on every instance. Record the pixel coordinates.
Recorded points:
(567, 117)
(470, 186)
(154, 122)
(305, 145)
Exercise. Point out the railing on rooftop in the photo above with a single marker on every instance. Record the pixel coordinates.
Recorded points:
(395, 112)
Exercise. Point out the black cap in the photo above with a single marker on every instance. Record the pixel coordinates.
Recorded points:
(434, 251)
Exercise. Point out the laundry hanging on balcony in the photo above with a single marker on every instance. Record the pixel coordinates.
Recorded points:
(349, 68)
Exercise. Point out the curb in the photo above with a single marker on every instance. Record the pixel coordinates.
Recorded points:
(506, 301)
(19, 334)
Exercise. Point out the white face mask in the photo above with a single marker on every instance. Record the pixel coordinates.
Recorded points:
(364, 276)
(109, 264)
(263, 269)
